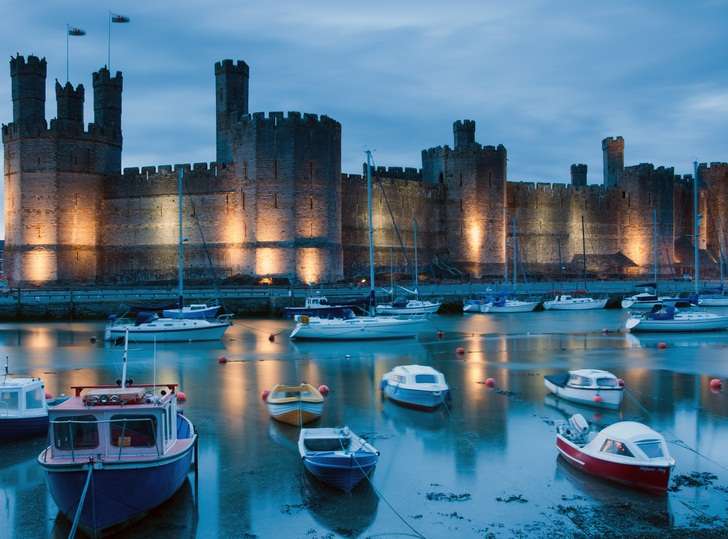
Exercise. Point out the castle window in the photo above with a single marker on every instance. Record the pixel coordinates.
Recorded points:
(275, 200)
(275, 169)
(227, 203)
(461, 205)
(75, 202)
(39, 161)
(624, 195)
(310, 203)
(242, 198)
(490, 178)
(75, 159)
(461, 179)
(245, 170)
(310, 170)
(441, 178)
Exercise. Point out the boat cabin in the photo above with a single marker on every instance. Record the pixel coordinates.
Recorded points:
(631, 440)
(114, 423)
(414, 375)
(313, 302)
(592, 379)
(22, 397)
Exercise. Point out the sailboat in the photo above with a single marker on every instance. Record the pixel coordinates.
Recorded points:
(563, 302)
(501, 302)
(404, 306)
(350, 326)
(116, 452)
(180, 326)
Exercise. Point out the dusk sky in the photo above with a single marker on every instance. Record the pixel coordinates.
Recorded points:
(547, 79)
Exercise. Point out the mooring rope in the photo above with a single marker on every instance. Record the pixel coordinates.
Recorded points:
(81, 501)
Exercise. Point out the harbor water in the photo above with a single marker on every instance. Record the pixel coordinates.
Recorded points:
(485, 465)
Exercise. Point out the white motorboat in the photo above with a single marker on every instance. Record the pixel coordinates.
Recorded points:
(155, 329)
(508, 306)
(646, 301)
(473, 305)
(669, 319)
(357, 327)
(627, 452)
(587, 386)
(418, 386)
(411, 306)
(571, 303)
(713, 298)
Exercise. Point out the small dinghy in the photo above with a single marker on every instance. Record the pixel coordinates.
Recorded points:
(670, 319)
(627, 452)
(417, 386)
(23, 407)
(587, 386)
(337, 456)
(571, 303)
(295, 405)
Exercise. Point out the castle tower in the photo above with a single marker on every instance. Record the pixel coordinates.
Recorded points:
(69, 102)
(613, 152)
(28, 91)
(464, 133)
(578, 175)
(294, 163)
(231, 99)
(475, 180)
(107, 99)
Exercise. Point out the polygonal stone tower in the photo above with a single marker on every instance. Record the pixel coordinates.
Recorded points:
(231, 98)
(475, 179)
(613, 153)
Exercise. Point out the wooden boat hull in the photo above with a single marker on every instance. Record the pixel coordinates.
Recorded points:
(415, 398)
(640, 476)
(15, 428)
(611, 398)
(120, 492)
(296, 413)
(342, 472)
(580, 306)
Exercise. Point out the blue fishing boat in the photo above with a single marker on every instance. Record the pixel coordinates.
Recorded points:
(337, 456)
(416, 386)
(115, 453)
(23, 407)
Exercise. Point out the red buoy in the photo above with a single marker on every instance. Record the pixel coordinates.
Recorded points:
(323, 389)
(716, 384)
(661, 345)
(181, 397)
(48, 396)
(460, 350)
(490, 382)
(264, 394)
(440, 334)
(598, 398)
(620, 382)
(222, 359)
(272, 338)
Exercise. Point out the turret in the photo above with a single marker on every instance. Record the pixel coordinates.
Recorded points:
(231, 91)
(28, 90)
(107, 99)
(464, 133)
(578, 175)
(70, 106)
(613, 152)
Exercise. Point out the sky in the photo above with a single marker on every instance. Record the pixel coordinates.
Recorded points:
(548, 79)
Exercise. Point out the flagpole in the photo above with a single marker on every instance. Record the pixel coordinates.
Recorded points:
(68, 29)
(108, 49)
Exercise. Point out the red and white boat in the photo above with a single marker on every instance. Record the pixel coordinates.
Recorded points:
(627, 452)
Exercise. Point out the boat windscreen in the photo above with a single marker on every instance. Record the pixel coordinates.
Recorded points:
(607, 382)
(425, 379)
(288, 394)
(8, 400)
(327, 444)
(616, 448)
(651, 448)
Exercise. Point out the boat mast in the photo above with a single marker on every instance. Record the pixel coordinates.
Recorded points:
(5, 377)
(391, 272)
(654, 246)
(126, 352)
(372, 294)
(181, 248)
(416, 276)
(515, 252)
(583, 250)
(696, 228)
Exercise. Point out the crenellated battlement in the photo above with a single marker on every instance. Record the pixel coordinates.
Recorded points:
(613, 142)
(403, 173)
(291, 118)
(19, 65)
(68, 91)
(156, 170)
(446, 151)
(103, 76)
(93, 132)
(228, 66)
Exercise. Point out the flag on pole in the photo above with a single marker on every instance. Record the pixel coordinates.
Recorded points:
(119, 18)
(75, 31)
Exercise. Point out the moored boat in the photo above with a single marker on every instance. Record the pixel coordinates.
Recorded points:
(116, 452)
(295, 405)
(357, 328)
(317, 306)
(23, 407)
(587, 386)
(570, 303)
(669, 319)
(504, 305)
(417, 386)
(473, 305)
(337, 456)
(194, 310)
(150, 328)
(627, 452)
(713, 298)
(405, 307)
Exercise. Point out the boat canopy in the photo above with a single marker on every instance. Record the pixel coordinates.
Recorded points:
(21, 395)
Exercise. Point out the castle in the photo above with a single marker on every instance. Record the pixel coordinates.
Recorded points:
(275, 203)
